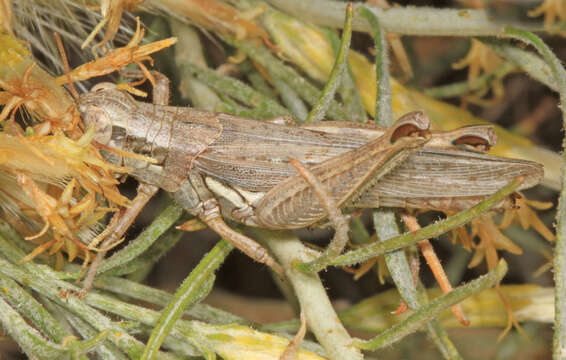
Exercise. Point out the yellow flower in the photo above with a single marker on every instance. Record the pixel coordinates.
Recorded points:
(489, 235)
(490, 240)
(527, 216)
(551, 9)
(481, 58)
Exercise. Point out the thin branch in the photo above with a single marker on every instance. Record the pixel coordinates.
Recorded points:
(431, 231)
(530, 62)
(559, 343)
(385, 222)
(321, 317)
(430, 311)
(410, 20)
(190, 292)
(319, 109)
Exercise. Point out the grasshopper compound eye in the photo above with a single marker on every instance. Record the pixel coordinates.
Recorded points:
(97, 117)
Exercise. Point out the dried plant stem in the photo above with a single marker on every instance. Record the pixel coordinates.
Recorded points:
(559, 343)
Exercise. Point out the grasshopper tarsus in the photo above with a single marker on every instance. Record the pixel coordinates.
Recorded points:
(161, 88)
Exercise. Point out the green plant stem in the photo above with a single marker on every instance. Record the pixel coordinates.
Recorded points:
(321, 317)
(465, 87)
(285, 73)
(146, 293)
(559, 341)
(189, 50)
(385, 221)
(319, 109)
(257, 81)
(150, 256)
(428, 312)
(386, 227)
(530, 62)
(31, 341)
(429, 232)
(104, 350)
(160, 224)
(44, 280)
(383, 110)
(349, 94)
(292, 101)
(410, 20)
(208, 338)
(267, 107)
(458, 262)
(29, 307)
(190, 292)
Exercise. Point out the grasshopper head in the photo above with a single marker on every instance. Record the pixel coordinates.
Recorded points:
(108, 110)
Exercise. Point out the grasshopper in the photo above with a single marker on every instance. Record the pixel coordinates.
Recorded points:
(219, 166)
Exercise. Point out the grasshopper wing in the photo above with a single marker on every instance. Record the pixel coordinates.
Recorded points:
(430, 176)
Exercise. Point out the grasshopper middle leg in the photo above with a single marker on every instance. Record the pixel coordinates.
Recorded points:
(194, 196)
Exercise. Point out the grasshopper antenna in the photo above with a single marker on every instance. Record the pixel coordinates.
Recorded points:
(65, 65)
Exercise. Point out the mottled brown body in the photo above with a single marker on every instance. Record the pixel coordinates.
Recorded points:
(239, 161)
(218, 165)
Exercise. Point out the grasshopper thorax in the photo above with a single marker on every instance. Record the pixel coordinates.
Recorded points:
(108, 111)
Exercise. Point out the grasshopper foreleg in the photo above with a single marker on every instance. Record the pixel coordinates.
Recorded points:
(123, 220)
